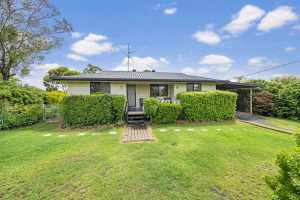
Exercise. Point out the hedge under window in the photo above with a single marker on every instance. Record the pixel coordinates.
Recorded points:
(193, 87)
(102, 87)
(159, 90)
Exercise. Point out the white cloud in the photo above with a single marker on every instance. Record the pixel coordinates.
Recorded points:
(76, 57)
(277, 18)
(35, 78)
(198, 71)
(218, 63)
(244, 19)
(289, 49)
(214, 59)
(142, 63)
(260, 62)
(46, 67)
(92, 45)
(76, 35)
(170, 11)
(95, 37)
(84, 47)
(207, 37)
(164, 60)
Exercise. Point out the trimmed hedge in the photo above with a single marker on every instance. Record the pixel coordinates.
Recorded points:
(208, 106)
(118, 107)
(167, 113)
(20, 115)
(150, 107)
(161, 112)
(81, 110)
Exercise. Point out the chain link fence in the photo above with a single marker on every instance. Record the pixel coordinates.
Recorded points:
(12, 116)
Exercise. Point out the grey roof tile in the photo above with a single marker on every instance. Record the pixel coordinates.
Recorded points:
(137, 76)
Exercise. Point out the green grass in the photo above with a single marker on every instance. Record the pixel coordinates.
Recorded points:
(223, 161)
(294, 126)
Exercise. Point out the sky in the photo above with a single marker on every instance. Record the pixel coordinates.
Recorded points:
(216, 38)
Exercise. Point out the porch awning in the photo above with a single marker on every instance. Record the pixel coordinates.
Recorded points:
(236, 86)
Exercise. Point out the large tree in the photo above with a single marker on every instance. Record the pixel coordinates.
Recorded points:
(91, 69)
(51, 85)
(28, 29)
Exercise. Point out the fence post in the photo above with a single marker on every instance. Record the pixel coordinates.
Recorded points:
(44, 112)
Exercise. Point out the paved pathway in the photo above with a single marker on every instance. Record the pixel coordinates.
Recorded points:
(262, 122)
(137, 134)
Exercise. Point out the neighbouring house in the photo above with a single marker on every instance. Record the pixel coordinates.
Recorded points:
(139, 85)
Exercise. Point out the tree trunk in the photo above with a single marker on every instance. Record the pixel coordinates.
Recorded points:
(5, 74)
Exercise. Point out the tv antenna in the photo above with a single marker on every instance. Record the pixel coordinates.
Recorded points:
(129, 53)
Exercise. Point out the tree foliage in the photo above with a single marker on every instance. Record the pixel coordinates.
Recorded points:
(14, 93)
(52, 85)
(91, 69)
(263, 103)
(286, 95)
(28, 29)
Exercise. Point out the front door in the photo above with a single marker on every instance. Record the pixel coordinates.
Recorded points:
(131, 96)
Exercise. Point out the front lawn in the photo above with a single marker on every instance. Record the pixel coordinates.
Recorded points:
(224, 161)
(294, 126)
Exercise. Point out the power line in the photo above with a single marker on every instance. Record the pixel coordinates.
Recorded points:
(269, 68)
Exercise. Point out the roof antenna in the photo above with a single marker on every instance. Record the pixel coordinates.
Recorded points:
(128, 56)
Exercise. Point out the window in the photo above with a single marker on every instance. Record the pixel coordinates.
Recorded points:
(101, 87)
(193, 87)
(159, 90)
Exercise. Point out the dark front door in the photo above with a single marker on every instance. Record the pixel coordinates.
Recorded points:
(131, 96)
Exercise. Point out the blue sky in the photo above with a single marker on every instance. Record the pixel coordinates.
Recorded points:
(216, 38)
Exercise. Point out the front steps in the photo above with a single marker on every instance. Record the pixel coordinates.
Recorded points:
(135, 118)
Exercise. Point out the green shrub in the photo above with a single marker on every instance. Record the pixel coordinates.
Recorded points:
(81, 110)
(286, 185)
(55, 97)
(118, 107)
(167, 113)
(208, 106)
(15, 93)
(150, 107)
(286, 95)
(20, 115)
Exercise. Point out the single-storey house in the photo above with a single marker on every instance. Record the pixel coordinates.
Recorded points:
(139, 85)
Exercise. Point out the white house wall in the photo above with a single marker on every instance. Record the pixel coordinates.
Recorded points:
(142, 91)
(118, 88)
(78, 88)
(208, 87)
(178, 88)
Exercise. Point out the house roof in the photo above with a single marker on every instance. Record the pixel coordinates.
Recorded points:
(137, 76)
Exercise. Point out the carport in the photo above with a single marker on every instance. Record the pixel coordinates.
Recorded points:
(245, 95)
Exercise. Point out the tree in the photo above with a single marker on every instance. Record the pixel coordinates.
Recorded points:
(28, 29)
(91, 69)
(60, 71)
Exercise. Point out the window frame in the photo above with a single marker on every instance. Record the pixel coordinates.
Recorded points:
(103, 87)
(194, 87)
(157, 86)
